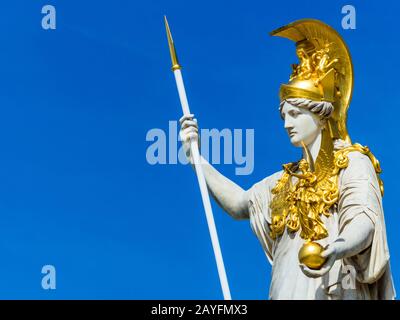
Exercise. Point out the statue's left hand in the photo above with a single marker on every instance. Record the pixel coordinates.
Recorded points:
(331, 255)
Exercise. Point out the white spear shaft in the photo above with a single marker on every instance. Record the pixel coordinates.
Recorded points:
(194, 149)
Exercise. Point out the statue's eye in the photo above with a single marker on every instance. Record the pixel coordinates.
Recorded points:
(294, 113)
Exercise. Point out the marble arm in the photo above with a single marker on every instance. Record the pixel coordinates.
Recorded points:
(355, 237)
(229, 196)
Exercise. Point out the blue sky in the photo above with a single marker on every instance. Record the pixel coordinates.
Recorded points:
(77, 102)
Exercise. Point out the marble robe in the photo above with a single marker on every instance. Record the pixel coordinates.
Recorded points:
(358, 194)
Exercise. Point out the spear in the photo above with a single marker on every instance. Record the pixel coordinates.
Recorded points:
(194, 149)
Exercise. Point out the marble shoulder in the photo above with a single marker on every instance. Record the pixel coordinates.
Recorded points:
(268, 182)
(359, 167)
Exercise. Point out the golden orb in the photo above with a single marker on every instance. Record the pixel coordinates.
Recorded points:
(310, 255)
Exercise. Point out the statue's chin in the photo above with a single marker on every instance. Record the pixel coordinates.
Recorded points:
(295, 143)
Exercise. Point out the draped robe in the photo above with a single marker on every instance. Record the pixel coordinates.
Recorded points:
(359, 194)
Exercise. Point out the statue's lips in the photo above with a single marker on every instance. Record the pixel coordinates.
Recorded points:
(292, 133)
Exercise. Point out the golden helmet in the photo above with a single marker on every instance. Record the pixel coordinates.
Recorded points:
(324, 71)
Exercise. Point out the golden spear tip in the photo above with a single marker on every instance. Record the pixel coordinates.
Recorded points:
(174, 58)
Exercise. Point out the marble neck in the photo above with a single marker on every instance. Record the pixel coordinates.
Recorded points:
(314, 147)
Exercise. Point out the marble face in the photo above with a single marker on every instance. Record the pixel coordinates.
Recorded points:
(300, 124)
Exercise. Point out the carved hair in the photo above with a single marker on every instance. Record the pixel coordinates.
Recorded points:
(323, 109)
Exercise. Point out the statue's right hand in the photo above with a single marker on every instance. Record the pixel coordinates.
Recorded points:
(189, 130)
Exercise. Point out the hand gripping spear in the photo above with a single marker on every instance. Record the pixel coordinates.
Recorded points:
(194, 149)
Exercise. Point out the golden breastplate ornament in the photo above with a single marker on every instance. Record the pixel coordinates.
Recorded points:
(302, 196)
(299, 205)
